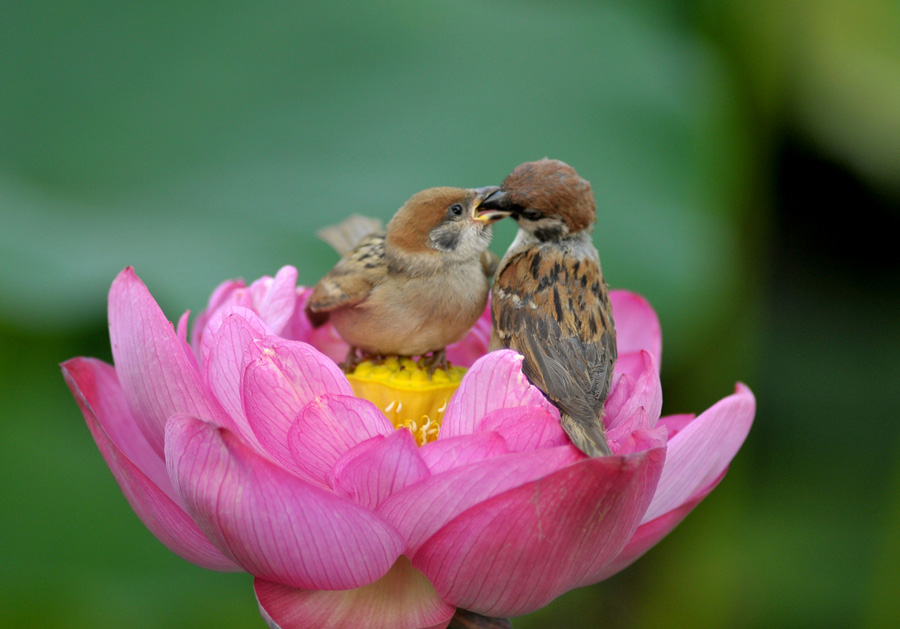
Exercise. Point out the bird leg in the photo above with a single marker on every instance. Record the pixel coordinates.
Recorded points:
(437, 358)
(351, 361)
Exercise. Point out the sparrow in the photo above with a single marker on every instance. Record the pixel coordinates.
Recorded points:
(550, 302)
(416, 287)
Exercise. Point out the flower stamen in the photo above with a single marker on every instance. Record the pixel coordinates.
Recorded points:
(410, 398)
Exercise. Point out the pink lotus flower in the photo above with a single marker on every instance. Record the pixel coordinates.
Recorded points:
(247, 450)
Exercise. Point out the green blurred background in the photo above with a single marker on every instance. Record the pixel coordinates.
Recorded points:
(746, 163)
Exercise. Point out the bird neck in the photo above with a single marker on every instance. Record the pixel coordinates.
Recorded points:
(526, 238)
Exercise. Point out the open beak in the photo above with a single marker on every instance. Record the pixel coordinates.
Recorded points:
(488, 206)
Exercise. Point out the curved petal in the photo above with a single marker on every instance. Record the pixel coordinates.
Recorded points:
(219, 296)
(702, 450)
(636, 435)
(272, 524)
(418, 512)
(566, 525)
(229, 332)
(274, 298)
(96, 389)
(446, 454)
(675, 423)
(377, 468)
(495, 381)
(151, 496)
(637, 326)
(648, 535)
(329, 426)
(155, 368)
(325, 338)
(526, 427)
(214, 335)
(629, 394)
(277, 385)
(401, 599)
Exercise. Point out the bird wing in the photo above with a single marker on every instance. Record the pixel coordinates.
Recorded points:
(347, 234)
(351, 280)
(556, 313)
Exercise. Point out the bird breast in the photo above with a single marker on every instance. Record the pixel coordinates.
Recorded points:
(413, 315)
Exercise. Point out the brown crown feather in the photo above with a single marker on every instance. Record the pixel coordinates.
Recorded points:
(552, 187)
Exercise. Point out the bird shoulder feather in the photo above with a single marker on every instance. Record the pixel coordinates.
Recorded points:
(561, 323)
(352, 278)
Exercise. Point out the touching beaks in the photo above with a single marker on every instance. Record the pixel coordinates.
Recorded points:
(489, 207)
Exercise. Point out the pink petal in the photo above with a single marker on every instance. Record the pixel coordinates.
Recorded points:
(377, 468)
(275, 298)
(629, 394)
(96, 389)
(279, 383)
(702, 450)
(272, 524)
(250, 322)
(675, 423)
(420, 511)
(181, 327)
(324, 339)
(328, 427)
(564, 526)
(474, 344)
(401, 599)
(220, 295)
(229, 333)
(495, 381)
(648, 535)
(526, 427)
(224, 294)
(636, 434)
(138, 470)
(446, 454)
(637, 326)
(155, 368)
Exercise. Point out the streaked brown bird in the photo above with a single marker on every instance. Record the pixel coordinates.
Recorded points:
(416, 287)
(550, 302)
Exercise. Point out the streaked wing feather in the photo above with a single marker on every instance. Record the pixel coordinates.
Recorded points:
(563, 327)
(351, 280)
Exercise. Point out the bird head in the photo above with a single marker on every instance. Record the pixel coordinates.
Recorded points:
(447, 221)
(547, 198)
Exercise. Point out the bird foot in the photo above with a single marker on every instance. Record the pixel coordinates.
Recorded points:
(355, 356)
(351, 361)
(431, 362)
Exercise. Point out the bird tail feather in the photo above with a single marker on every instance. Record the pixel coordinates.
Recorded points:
(587, 436)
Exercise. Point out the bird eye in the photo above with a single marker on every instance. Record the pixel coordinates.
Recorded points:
(455, 210)
(531, 215)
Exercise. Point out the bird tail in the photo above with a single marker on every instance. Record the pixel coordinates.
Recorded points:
(587, 436)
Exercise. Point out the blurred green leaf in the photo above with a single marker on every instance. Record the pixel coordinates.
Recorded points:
(201, 141)
(210, 141)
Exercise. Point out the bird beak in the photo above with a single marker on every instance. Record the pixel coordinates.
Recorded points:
(488, 207)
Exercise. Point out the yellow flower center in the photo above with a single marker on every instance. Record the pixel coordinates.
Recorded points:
(406, 395)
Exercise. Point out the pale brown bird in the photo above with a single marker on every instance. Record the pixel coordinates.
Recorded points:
(416, 287)
(550, 302)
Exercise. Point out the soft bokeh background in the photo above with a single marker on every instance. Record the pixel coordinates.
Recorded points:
(746, 163)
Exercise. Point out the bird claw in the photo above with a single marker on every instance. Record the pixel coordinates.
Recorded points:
(351, 362)
(431, 362)
(355, 356)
